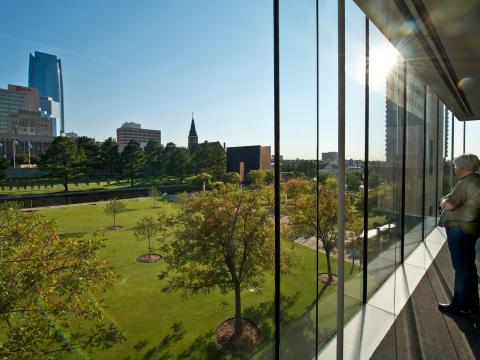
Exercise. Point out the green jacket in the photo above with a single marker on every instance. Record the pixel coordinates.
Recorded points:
(465, 197)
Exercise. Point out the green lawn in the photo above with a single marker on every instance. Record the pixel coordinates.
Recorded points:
(31, 186)
(160, 325)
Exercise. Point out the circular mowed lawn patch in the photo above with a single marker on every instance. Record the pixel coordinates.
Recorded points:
(250, 335)
(149, 258)
(118, 227)
(323, 278)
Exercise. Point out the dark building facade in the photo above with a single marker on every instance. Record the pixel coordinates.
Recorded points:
(243, 159)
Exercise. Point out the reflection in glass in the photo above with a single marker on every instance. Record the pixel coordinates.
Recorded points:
(414, 162)
(431, 164)
(385, 159)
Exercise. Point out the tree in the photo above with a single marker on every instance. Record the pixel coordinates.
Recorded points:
(296, 187)
(153, 151)
(178, 162)
(146, 229)
(21, 159)
(109, 156)
(220, 239)
(201, 180)
(153, 193)
(43, 277)
(209, 157)
(3, 167)
(133, 160)
(231, 178)
(64, 158)
(303, 217)
(353, 181)
(113, 208)
(257, 178)
(269, 176)
(92, 153)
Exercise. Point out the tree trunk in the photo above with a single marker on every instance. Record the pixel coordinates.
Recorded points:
(114, 221)
(149, 247)
(329, 266)
(131, 181)
(65, 180)
(238, 314)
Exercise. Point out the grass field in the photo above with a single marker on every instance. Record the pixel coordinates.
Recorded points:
(161, 325)
(46, 186)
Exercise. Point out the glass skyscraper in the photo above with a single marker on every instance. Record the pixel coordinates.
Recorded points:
(45, 74)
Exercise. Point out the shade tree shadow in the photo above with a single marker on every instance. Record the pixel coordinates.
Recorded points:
(101, 337)
(163, 349)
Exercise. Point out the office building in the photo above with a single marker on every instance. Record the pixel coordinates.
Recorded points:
(45, 74)
(243, 159)
(331, 156)
(16, 98)
(71, 135)
(133, 131)
(51, 109)
(28, 123)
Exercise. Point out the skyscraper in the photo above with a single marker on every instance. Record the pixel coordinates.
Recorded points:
(192, 135)
(45, 74)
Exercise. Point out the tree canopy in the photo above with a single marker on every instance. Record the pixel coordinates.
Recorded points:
(133, 160)
(220, 239)
(65, 158)
(46, 284)
(109, 156)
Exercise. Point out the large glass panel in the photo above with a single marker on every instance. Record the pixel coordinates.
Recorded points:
(447, 151)
(458, 137)
(300, 302)
(414, 170)
(472, 145)
(440, 153)
(355, 63)
(431, 161)
(385, 159)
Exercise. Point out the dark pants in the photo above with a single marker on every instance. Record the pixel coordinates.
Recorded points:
(462, 249)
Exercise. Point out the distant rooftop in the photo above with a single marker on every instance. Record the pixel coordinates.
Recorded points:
(132, 124)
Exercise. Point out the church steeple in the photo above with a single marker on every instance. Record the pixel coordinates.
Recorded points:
(192, 135)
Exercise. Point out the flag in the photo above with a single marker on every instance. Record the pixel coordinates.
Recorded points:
(15, 142)
(30, 145)
(1, 145)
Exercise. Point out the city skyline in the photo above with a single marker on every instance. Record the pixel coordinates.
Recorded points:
(176, 62)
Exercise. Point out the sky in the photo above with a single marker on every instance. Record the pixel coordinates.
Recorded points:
(155, 62)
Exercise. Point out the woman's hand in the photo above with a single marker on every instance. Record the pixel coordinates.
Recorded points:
(446, 205)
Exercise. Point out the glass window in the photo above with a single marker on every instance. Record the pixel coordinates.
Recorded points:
(448, 178)
(385, 159)
(414, 169)
(355, 63)
(431, 162)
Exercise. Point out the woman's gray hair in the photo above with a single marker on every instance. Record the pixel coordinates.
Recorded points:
(467, 162)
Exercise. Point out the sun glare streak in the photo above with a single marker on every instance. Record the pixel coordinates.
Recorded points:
(382, 60)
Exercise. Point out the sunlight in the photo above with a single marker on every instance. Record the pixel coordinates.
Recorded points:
(382, 61)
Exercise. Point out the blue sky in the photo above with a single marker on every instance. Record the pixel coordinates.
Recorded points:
(155, 62)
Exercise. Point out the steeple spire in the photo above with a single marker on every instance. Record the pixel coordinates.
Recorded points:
(192, 135)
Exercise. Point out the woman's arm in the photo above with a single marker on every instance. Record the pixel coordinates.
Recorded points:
(446, 205)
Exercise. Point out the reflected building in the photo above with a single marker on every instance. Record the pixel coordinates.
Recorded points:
(45, 74)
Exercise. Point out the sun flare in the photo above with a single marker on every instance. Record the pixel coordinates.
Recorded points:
(382, 60)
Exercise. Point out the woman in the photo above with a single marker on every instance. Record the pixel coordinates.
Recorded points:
(461, 218)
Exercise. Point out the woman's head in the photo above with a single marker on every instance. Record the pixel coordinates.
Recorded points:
(466, 164)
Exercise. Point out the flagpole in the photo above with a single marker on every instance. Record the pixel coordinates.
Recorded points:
(29, 146)
(14, 156)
